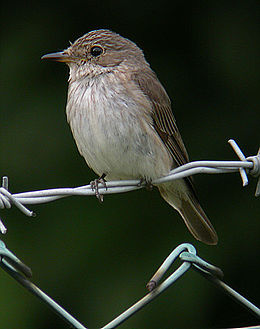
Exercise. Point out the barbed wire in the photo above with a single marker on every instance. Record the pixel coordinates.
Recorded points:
(185, 252)
(244, 166)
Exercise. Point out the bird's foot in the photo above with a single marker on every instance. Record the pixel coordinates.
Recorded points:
(148, 184)
(94, 186)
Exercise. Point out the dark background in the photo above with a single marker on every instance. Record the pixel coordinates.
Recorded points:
(96, 259)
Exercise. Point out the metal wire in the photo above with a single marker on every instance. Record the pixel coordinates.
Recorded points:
(185, 252)
(245, 165)
(21, 273)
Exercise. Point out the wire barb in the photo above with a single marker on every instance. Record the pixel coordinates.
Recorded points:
(4, 203)
(254, 171)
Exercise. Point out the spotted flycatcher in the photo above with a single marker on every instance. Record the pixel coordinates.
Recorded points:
(122, 122)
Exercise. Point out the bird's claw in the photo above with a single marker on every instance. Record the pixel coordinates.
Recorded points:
(148, 184)
(94, 187)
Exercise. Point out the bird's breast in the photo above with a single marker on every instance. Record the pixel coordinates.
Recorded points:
(113, 130)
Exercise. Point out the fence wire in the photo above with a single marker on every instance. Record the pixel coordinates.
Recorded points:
(185, 252)
(244, 166)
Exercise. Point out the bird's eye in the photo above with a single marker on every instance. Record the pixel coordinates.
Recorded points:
(96, 51)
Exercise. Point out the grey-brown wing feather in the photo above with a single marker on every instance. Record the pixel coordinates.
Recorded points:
(165, 125)
(163, 119)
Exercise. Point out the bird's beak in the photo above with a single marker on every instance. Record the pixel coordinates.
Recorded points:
(58, 57)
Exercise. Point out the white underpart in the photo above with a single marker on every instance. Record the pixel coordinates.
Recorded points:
(113, 129)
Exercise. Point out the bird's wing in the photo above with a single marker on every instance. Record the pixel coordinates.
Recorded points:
(165, 125)
(162, 116)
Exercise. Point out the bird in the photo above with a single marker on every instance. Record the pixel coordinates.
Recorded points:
(121, 119)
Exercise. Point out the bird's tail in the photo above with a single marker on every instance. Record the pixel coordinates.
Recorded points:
(183, 199)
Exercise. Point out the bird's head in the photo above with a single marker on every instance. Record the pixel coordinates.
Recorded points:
(98, 52)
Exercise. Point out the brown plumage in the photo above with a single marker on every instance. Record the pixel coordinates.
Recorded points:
(122, 122)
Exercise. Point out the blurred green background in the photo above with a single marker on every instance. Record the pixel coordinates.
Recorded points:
(96, 259)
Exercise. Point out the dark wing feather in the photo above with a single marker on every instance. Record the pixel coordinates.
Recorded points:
(163, 119)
